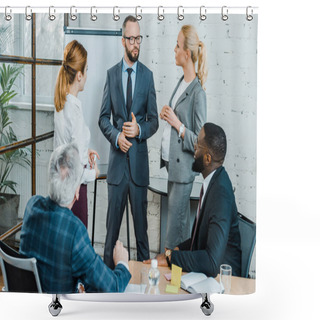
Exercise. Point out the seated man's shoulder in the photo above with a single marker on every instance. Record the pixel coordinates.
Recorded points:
(39, 205)
(35, 201)
(222, 188)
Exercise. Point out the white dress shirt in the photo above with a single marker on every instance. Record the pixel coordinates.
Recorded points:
(165, 142)
(69, 126)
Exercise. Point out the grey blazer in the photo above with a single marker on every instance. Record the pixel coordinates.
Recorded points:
(144, 107)
(191, 109)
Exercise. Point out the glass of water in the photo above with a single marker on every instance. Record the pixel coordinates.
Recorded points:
(225, 278)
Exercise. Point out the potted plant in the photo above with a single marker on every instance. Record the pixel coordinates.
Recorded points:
(9, 202)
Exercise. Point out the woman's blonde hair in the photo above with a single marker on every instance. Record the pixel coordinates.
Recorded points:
(74, 60)
(198, 51)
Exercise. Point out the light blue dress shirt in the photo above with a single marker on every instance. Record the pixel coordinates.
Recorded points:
(125, 78)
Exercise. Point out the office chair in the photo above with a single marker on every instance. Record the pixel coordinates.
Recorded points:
(248, 241)
(20, 273)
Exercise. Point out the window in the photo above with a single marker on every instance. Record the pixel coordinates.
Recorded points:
(28, 75)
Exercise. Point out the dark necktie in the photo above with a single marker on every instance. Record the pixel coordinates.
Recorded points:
(197, 218)
(129, 91)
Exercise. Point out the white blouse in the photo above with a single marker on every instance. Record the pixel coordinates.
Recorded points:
(69, 126)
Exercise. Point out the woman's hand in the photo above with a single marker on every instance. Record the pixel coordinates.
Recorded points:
(168, 115)
(96, 169)
(91, 154)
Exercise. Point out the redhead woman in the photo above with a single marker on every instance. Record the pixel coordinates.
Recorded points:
(69, 124)
(185, 115)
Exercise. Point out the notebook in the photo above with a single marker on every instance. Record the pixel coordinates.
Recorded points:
(195, 282)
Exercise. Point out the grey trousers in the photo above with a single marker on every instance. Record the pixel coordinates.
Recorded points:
(178, 223)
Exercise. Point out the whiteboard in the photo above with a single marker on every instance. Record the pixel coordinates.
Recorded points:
(104, 51)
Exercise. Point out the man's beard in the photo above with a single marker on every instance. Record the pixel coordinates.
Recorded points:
(130, 56)
(198, 165)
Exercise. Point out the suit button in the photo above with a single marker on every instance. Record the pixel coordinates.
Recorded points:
(179, 140)
(178, 160)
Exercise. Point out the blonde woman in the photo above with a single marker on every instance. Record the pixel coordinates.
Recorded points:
(69, 124)
(185, 115)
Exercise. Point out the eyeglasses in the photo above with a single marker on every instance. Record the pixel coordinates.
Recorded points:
(132, 39)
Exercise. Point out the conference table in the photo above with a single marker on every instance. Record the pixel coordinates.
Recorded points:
(238, 285)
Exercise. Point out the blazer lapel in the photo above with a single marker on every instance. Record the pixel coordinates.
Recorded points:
(204, 200)
(120, 88)
(174, 92)
(187, 91)
(138, 85)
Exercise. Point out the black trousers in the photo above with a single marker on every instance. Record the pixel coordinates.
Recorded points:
(117, 195)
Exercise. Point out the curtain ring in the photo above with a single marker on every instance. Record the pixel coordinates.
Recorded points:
(249, 16)
(180, 15)
(160, 16)
(8, 16)
(28, 12)
(224, 13)
(138, 16)
(52, 16)
(116, 17)
(73, 16)
(93, 16)
(203, 16)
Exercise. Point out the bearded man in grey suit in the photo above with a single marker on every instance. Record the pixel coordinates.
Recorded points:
(129, 96)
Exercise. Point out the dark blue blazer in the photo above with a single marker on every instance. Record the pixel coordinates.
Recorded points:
(144, 107)
(217, 238)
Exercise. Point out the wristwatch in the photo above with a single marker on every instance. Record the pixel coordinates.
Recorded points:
(181, 130)
(168, 254)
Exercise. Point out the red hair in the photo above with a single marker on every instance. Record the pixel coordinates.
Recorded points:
(74, 60)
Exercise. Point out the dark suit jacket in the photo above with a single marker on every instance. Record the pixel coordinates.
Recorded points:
(217, 238)
(144, 107)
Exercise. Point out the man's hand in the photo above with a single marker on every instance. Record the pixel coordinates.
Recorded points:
(131, 129)
(162, 261)
(123, 143)
(120, 253)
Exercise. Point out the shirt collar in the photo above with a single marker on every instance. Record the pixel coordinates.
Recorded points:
(71, 98)
(125, 66)
(206, 182)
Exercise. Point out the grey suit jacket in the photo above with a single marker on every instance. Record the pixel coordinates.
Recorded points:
(191, 109)
(144, 107)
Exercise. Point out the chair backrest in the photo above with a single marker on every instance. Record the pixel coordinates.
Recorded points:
(248, 240)
(20, 273)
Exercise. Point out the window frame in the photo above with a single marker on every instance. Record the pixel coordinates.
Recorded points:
(33, 61)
